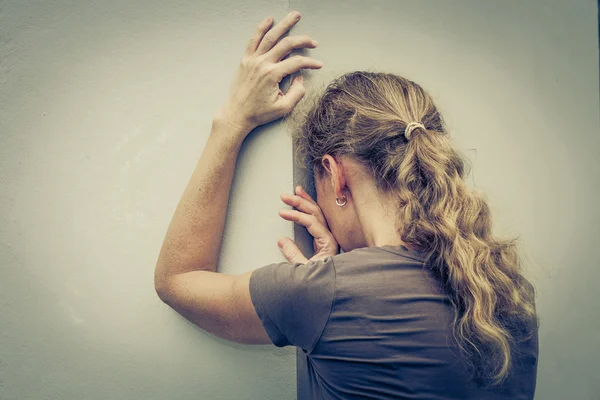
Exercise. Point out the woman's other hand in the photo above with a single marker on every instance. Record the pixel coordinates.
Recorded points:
(255, 98)
(308, 214)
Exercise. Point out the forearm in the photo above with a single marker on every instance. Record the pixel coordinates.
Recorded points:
(193, 239)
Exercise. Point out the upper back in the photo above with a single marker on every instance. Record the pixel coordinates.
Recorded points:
(389, 335)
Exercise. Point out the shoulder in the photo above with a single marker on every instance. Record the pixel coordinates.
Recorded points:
(285, 277)
(294, 301)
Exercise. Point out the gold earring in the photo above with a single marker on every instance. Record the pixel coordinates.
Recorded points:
(341, 204)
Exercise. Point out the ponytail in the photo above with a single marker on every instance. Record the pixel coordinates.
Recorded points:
(481, 275)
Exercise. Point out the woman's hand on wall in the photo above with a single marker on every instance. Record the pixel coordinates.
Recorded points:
(308, 214)
(255, 97)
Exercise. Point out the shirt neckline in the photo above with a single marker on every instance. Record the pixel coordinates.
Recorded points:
(401, 250)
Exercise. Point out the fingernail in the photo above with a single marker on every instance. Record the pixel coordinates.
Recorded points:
(295, 14)
(315, 43)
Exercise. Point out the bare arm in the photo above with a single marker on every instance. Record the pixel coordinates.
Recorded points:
(186, 275)
(193, 240)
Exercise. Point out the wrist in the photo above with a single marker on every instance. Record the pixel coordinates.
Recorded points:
(238, 126)
(227, 134)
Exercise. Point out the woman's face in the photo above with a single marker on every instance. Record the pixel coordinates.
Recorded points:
(343, 221)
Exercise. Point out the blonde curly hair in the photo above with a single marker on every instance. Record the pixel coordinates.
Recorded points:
(364, 115)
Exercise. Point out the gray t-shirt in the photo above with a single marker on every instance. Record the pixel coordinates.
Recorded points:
(374, 323)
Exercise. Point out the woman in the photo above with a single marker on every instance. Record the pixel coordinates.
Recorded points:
(423, 303)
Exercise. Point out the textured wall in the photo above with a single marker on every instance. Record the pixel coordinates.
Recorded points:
(517, 82)
(105, 108)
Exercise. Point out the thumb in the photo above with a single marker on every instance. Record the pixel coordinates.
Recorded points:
(290, 251)
(294, 94)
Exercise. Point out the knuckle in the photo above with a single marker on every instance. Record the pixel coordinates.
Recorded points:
(268, 40)
(267, 69)
(286, 41)
(288, 254)
(246, 62)
(322, 220)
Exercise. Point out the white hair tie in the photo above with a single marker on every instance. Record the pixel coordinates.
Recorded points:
(412, 126)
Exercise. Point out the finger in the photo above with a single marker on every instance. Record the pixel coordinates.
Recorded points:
(294, 64)
(262, 28)
(287, 44)
(310, 222)
(286, 103)
(269, 40)
(303, 205)
(290, 251)
(302, 193)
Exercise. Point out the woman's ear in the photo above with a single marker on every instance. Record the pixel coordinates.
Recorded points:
(326, 162)
(336, 169)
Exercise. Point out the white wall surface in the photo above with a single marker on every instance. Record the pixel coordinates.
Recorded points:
(105, 108)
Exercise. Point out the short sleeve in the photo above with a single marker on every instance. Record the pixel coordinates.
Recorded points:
(294, 301)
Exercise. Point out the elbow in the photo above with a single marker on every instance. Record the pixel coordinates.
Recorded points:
(160, 287)
(160, 291)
